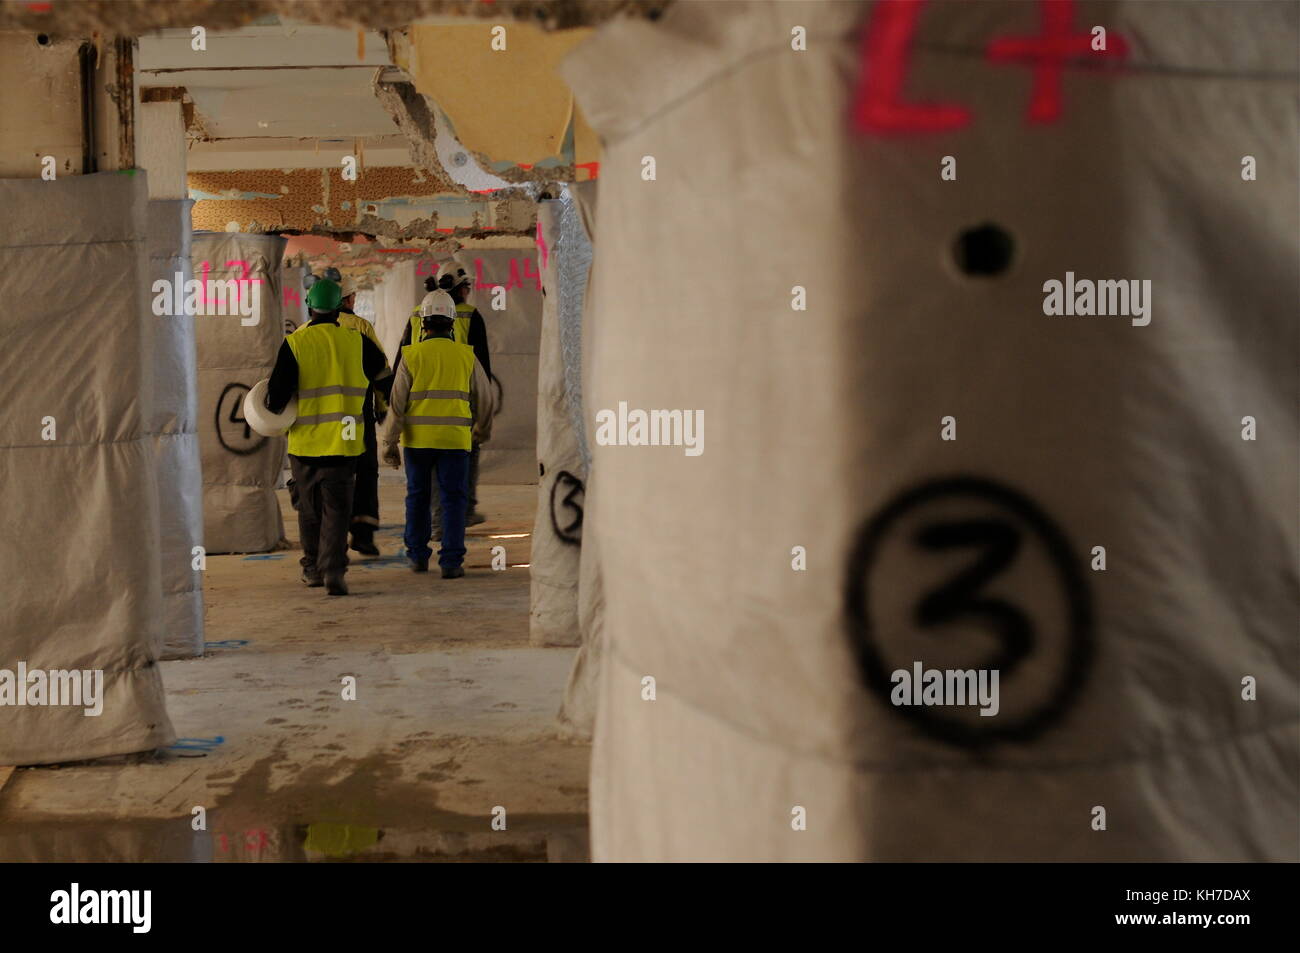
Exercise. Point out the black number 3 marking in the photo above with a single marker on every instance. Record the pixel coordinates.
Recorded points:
(964, 597)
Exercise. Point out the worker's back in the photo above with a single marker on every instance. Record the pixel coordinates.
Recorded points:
(331, 392)
(437, 411)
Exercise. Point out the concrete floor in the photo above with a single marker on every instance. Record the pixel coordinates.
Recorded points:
(454, 717)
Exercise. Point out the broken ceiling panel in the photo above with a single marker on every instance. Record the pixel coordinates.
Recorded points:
(508, 105)
(397, 204)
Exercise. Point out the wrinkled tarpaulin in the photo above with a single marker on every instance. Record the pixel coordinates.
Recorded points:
(79, 566)
(823, 431)
(240, 467)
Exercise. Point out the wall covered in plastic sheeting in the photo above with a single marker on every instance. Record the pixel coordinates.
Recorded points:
(79, 504)
(235, 350)
(511, 455)
(564, 258)
(918, 467)
(174, 425)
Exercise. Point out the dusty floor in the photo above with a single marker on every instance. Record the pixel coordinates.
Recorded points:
(453, 718)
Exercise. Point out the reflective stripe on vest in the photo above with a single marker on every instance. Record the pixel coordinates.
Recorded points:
(437, 408)
(462, 321)
(459, 324)
(331, 392)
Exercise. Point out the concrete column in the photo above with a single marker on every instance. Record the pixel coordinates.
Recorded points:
(161, 148)
(42, 81)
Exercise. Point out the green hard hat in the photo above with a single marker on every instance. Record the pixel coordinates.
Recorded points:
(324, 295)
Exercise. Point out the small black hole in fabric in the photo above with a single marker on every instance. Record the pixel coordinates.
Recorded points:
(984, 251)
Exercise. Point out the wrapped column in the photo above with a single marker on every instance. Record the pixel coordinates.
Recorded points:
(81, 634)
(509, 278)
(915, 456)
(174, 425)
(293, 301)
(577, 715)
(239, 273)
(563, 256)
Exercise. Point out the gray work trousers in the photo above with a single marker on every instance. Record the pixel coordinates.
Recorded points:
(324, 512)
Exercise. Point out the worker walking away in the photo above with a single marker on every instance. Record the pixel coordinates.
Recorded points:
(330, 369)
(365, 500)
(469, 328)
(429, 414)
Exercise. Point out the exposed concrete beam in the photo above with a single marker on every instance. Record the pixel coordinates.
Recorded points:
(290, 46)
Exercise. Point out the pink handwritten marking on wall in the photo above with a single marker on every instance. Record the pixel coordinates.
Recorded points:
(885, 49)
(515, 280)
(291, 297)
(541, 242)
(1048, 52)
(206, 268)
(885, 46)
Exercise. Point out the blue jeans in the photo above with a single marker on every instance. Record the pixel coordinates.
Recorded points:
(452, 470)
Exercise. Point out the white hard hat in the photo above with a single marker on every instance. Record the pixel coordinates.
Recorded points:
(348, 285)
(452, 274)
(261, 419)
(438, 302)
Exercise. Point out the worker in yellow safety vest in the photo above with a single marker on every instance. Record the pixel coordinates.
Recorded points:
(365, 499)
(430, 416)
(329, 368)
(468, 327)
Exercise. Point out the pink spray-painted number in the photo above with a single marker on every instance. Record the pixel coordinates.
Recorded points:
(878, 106)
(206, 269)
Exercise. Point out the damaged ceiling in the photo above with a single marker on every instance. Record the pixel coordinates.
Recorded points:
(279, 105)
(134, 17)
(450, 138)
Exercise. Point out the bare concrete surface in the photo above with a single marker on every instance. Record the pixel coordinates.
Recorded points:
(453, 718)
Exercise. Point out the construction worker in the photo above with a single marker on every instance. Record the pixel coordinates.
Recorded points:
(429, 414)
(330, 368)
(468, 328)
(365, 501)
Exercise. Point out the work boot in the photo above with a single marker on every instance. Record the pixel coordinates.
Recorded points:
(474, 518)
(452, 572)
(364, 543)
(335, 586)
(312, 578)
(419, 565)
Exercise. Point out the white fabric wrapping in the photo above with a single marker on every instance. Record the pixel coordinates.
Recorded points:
(816, 421)
(79, 563)
(240, 468)
(176, 441)
(511, 456)
(577, 715)
(557, 529)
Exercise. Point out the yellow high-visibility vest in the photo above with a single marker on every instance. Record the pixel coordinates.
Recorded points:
(331, 392)
(437, 409)
(459, 324)
(357, 323)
